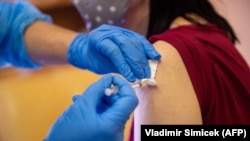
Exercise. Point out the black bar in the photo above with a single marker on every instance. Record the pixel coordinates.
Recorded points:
(212, 132)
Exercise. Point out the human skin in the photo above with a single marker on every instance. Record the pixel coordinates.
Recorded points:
(173, 101)
(47, 44)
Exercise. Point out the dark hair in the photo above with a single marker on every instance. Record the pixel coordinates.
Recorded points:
(163, 12)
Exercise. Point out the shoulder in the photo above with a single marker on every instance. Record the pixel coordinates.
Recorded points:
(173, 101)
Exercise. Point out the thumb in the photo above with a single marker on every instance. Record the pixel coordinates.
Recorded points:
(124, 103)
(150, 50)
(96, 91)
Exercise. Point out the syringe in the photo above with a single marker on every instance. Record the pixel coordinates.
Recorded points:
(114, 89)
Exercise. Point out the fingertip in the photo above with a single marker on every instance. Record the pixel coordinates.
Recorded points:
(75, 97)
(127, 73)
(154, 55)
(151, 51)
(119, 81)
(136, 101)
(131, 78)
(100, 85)
(107, 78)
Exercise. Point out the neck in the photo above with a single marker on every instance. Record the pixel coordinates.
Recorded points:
(137, 17)
(180, 21)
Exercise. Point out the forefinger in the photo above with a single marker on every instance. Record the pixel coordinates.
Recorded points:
(112, 51)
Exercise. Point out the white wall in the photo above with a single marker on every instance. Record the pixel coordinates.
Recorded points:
(237, 13)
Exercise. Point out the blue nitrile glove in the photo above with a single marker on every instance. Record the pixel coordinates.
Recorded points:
(94, 116)
(111, 49)
(15, 17)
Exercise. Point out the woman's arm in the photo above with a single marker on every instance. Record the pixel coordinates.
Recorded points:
(47, 43)
(174, 100)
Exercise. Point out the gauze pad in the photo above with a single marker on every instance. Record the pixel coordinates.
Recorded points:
(153, 68)
(139, 83)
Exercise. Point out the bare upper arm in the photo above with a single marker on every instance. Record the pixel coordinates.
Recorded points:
(174, 100)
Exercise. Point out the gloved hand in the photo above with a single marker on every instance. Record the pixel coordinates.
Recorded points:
(94, 116)
(111, 49)
(15, 17)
